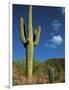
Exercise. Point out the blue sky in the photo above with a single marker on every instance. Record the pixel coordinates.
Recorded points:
(52, 38)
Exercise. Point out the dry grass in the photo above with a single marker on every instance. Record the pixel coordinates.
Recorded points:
(40, 75)
(19, 78)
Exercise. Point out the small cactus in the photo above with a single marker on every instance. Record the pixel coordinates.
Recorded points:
(29, 41)
(51, 74)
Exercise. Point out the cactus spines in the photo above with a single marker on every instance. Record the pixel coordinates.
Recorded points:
(29, 42)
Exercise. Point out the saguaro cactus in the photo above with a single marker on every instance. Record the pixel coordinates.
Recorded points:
(29, 41)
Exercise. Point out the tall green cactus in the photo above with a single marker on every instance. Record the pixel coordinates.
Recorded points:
(29, 41)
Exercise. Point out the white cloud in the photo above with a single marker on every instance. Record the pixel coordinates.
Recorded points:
(57, 40)
(56, 25)
(54, 42)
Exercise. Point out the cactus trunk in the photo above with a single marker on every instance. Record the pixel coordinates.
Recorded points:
(29, 41)
(29, 62)
(29, 48)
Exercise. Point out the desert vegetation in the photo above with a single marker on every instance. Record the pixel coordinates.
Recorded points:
(50, 71)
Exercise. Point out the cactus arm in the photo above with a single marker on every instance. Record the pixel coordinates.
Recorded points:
(37, 35)
(22, 31)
